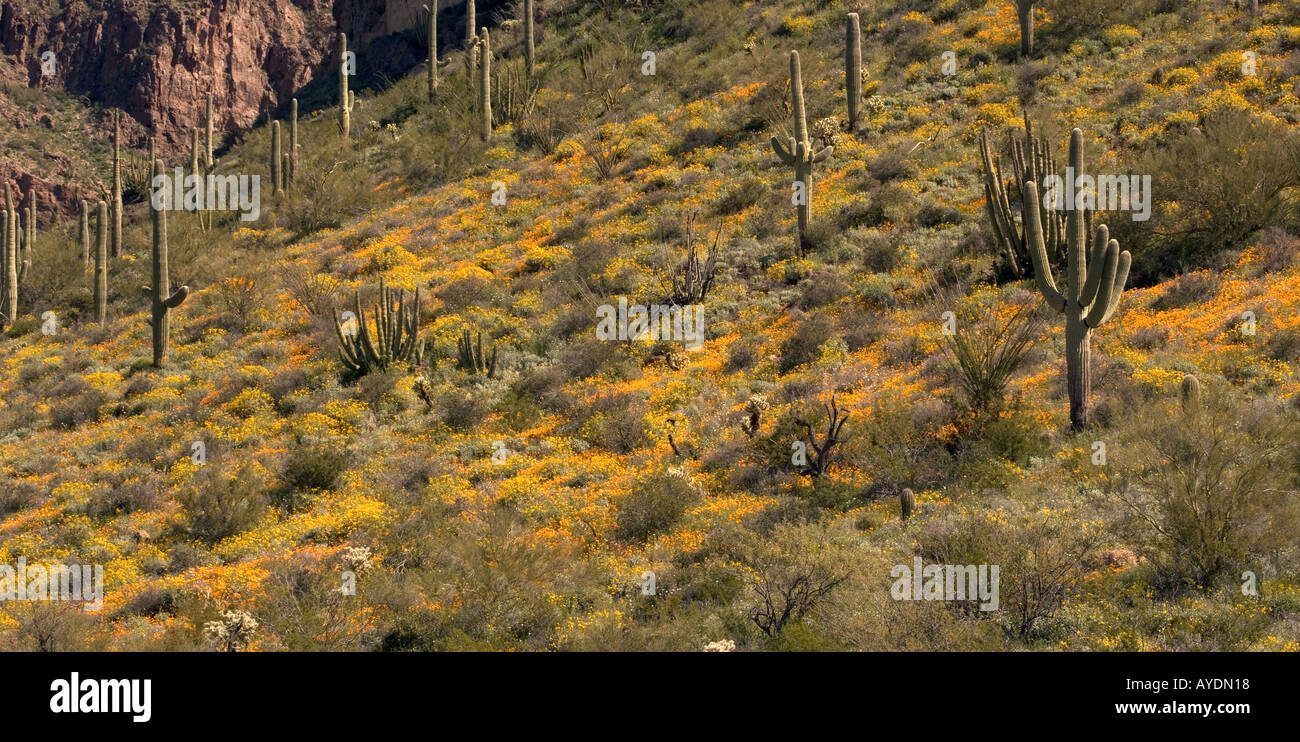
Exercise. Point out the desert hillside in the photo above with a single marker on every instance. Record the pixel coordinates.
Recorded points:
(487, 457)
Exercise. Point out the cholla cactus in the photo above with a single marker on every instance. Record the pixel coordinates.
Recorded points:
(723, 645)
(397, 334)
(754, 408)
(233, 632)
(356, 558)
(1093, 286)
(797, 151)
(827, 131)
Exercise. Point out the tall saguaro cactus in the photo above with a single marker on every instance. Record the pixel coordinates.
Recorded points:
(101, 263)
(485, 86)
(277, 176)
(208, 162)
(29, 233)
(797, 151)
(853, 68)
(292, 172)
(345, 96)
(10, 292)
(1030, 160)
(432, 29)
(85, 234)
(1093, 286)
(1025, 10)
(117, 183)
(162, 300)
(469, 24)
(529, 55)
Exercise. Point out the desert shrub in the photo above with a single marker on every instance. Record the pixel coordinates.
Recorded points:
(742, 194)
(219, 502)
(1074, 18)
(793, 571)
(1211, 489)
(308, 469)
(805, 343)
(76, 410)
(654, 503)
(1188, 288)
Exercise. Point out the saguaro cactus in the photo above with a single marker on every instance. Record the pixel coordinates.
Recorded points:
(345, 96)
(470, 356)
(277, 177)
(853, 67)
(85, 234)
(162, 299)
(396, 338)
(906, 503)
(485, 86)
(1031, 159)
(101, 263)
(1191, 394)
(529, 13)
(1025, 10)
(432, 10)
(117, 183)
(1093, 287)
(209, 161)
(797, 151)
(292, 173)
(10, 294)
(29, 232)
(470, 26)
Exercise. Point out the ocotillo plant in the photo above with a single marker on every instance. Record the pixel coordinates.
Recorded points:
(797, 151)
(396, 338)
(1030, 160)
(432, 10)
(485, 86)
(345, 97)
(1025, 10)
(277, 177)
(1093, 286)
(117, 183)
(470, 356)
(529, 54)
(85, 234)
(162, 299)
(101, 263)
(853, 67)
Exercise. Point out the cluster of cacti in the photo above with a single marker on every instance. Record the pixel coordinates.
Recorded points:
(797, 151)
(1093, 286)
(396, 338)
(162, 299)
(346, 98)
(1030, 160)
(1025, 11)
(485, 85)
(853, 68)
(470, 356)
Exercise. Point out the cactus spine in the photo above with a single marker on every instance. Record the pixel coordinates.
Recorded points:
(396, 338)
(906, 503)
(470, 356)
(345, 97)
(1093, 287)
(529, 55)
(485, 85)
(117, 183)
(85, 234)
(277, 177)
(101, 263)
(1030, 160)
(853, 68)
(797, 151)
(160, 293)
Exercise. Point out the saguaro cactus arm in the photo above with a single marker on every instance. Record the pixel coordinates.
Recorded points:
(1038, 252)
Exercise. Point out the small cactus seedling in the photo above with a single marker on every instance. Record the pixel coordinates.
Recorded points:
(797, 151)
(396, 337)
(1093, 286)
(470, 356)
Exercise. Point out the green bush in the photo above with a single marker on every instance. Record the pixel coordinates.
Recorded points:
(655, 504)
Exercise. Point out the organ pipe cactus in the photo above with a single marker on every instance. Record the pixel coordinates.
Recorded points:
(1092, 291)
(1030, 160)
(853, 68)
(485, 86)
(162, 299)
(101, 263)
(798, 151)
(345, 97)
(396, 337)
(470, 356)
